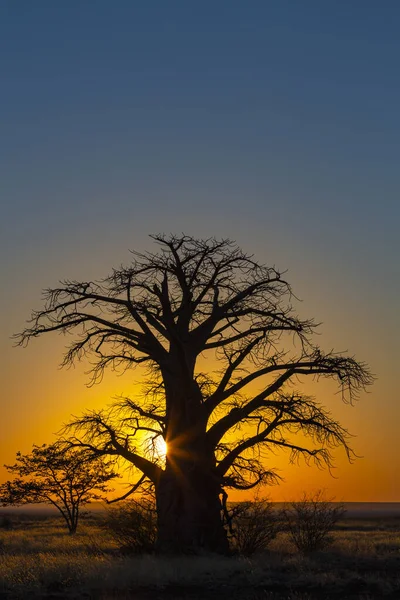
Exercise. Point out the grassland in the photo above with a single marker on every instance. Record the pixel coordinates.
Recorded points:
(38, 559)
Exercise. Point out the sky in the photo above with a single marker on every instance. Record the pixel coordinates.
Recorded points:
(275, 124)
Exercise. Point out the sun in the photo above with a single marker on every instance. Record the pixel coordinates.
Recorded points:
(160, 448)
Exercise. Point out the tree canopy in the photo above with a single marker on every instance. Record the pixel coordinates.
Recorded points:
(59, 475)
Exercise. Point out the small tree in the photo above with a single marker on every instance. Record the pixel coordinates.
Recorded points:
(58, 475)
(311, 519)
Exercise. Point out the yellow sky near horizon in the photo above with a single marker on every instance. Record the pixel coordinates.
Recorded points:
(57, 394)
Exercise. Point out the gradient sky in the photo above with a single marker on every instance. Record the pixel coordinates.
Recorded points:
(274, 123)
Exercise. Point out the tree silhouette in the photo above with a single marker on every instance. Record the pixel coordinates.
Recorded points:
(60, 475)
(224, 349)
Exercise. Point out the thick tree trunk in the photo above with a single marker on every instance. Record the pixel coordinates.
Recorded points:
(188, 504)
(189, 513)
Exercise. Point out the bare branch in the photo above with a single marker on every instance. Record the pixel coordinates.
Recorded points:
(136, 486)
(104, 438)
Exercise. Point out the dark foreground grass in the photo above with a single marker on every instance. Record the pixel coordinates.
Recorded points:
(38, 559)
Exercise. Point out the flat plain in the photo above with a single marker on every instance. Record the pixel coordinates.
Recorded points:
(39, 559)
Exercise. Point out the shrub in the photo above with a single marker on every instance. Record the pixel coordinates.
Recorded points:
(310, 520)
(6, 522)
(253, 526)
(133, 524)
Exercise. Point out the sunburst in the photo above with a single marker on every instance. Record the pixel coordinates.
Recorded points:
(160, 448)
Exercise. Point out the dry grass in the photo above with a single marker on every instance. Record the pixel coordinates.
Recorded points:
(38, 559)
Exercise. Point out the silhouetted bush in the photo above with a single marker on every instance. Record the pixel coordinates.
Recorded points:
(133, 524)
(254, 525)
(6, 522)
(310, 520)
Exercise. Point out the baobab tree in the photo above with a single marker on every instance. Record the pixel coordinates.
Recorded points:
(224, 351)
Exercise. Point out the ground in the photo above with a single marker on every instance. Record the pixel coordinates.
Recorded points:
(38, 559)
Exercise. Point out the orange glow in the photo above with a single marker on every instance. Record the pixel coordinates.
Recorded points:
(38, 398)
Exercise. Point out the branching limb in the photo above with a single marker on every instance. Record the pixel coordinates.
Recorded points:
(136, 486)
(104, 439)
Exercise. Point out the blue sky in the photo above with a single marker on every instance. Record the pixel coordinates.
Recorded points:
(273, 123)
(272, 109)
